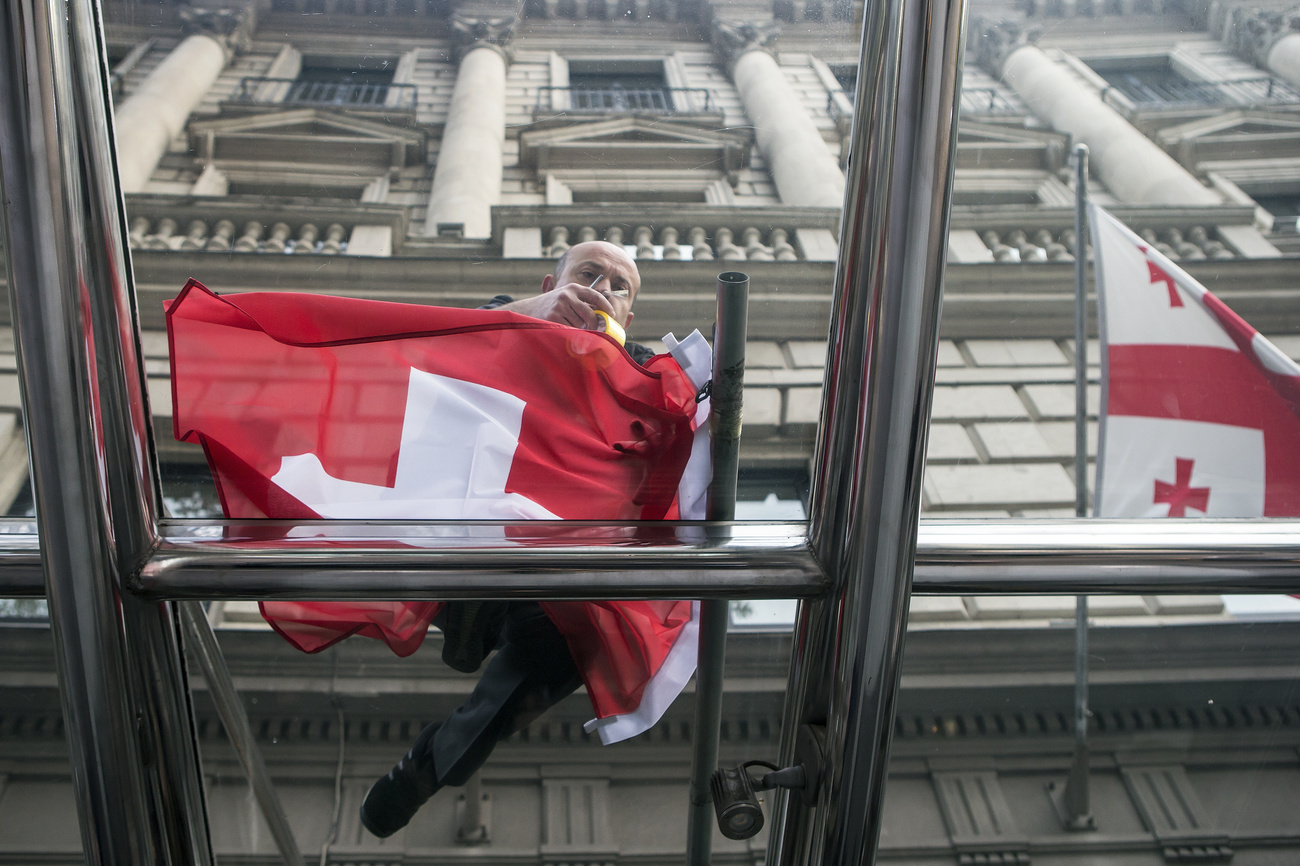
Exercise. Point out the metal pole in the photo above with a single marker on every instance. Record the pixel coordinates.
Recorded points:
(1074, 805)
(866, 486)
(226, 697)
(1080, 331)
(121, 675)
(56, 358)
(725, 398)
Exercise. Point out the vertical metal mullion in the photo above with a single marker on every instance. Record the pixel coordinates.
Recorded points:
(866, 487)
(122, 680)
(726, 396)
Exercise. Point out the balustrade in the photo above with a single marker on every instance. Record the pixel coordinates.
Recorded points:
(223, 236)
(1036, 246)
(325, 94)
(673, 243)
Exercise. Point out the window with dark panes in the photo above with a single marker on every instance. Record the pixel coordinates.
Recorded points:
(322, 84)
(1285, 208)
(619, 88)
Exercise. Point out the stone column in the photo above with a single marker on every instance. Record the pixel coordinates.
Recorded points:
(1269, 38)
(803, 169)
(150, 118)
(467, 179)
(1132, 166)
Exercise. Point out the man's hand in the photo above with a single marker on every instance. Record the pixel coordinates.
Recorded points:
(571, 304)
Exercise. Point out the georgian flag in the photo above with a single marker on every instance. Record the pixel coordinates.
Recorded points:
(1200, 414)
(310, 406)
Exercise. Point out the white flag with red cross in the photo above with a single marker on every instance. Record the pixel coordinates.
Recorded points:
(1200, 414)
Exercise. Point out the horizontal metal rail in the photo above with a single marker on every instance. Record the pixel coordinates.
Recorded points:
(974, 101)
(206, 559)
(325, 94)
(1089, 556)
(1174, 92)
(330, 560)
(986, 100)
(627, 100)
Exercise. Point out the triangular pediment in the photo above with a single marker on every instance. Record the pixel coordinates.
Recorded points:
(632, 141)
(1243, 123)
(1234, 135)
(974, 132)
(1003, 145)
(313, 135)
(303, 121)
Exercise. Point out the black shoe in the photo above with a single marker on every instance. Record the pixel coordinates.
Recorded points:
(395, 798)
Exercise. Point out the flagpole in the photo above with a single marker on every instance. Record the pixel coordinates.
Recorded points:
(1074, 805)
(725, 396)
(1080, 332)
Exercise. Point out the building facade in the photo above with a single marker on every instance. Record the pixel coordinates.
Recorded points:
(442, 152)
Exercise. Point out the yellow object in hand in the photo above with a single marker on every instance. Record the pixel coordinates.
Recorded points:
(611, 327)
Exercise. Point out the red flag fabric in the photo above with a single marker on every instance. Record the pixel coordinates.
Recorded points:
(312, 406)
(1200, 413)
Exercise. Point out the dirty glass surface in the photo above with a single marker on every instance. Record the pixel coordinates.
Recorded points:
(1189, 752)
(317, 147)
(453, 160)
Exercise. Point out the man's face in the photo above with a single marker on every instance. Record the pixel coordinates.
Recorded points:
(587, 261)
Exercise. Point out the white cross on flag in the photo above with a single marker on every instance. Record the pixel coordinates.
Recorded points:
(321, 407)
(1200, 414)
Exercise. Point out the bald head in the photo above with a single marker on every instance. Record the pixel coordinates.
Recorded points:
(581, 265)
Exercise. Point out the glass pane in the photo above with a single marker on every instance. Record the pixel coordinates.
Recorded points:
(38, 810)
(298, 162)
(305, 157)
(1203, 193)
(1190, 746)
(15, 489)
(549, 790)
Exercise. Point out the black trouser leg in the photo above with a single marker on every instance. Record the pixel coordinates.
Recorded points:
(531, 672)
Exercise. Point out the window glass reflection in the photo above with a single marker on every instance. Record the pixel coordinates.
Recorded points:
(1174, 160)
(550, 789)
(293, 155)
(1189, 734)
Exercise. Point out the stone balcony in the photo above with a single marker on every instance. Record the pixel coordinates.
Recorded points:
(671, 232)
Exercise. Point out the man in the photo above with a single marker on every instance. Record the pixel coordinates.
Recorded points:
(533, 669)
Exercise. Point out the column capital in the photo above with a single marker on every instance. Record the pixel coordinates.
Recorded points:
(734, 39)
(1253, 32)
(993, 40)
(231, 27)
(482, 31)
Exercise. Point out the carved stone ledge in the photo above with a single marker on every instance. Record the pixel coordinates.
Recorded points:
(734, 39)
(1254, 32)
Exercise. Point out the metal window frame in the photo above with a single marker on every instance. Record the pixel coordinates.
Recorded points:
(111, 567)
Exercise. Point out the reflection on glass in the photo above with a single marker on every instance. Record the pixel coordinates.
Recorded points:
(1190, 736)
(1002, 435)
(330, 723)
(38, 808)
(15, 488)
(281, 161)
(458, 156)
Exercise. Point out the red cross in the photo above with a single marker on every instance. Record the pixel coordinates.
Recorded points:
(1158, 275)
(1180, 495)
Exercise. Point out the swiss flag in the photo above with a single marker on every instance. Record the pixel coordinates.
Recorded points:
(321, 407)
(1200, 414)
